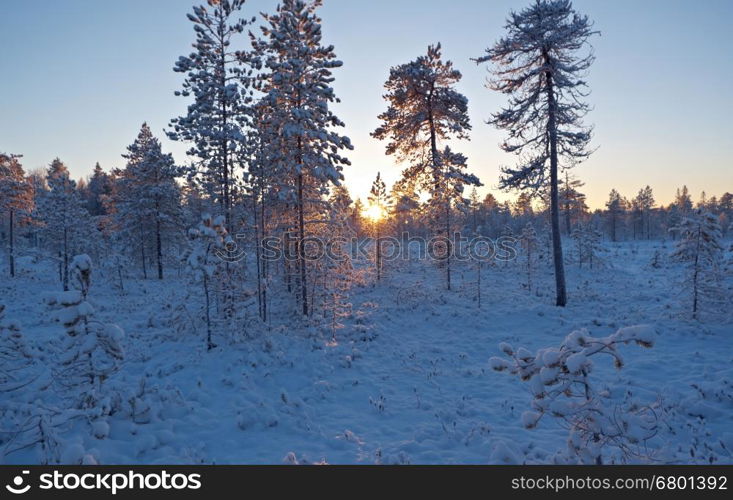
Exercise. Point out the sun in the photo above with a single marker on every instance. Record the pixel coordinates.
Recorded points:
(374, 213)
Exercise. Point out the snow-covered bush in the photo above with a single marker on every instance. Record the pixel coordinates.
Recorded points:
(561, 385)
(16, 357)
(209, 242)
(91, 350)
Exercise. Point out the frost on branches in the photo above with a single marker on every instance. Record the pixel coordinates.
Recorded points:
(91, 350)
(559, 378)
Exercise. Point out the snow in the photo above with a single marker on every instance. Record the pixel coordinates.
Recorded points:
(409, 379)
(576, 362)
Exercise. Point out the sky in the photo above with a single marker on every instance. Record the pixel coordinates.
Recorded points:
(79, 77)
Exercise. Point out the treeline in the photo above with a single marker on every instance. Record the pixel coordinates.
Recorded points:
(267, 155)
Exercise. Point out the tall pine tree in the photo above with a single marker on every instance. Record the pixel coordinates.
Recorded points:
(304, 148)
(539, 66)
(425, 109)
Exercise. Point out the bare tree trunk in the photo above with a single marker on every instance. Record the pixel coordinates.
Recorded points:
(695, 273)
(142, 252)
(12, 243)
(209, 343)
(65, 269)
(301, 246)
(448, 241)
(561, 291)
(258, 254)
(159, 248)
(379, 252)
(436, 173)
(529, 267)
(264, 261)
(478, 281)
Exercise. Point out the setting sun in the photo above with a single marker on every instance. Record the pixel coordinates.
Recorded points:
(374, 213)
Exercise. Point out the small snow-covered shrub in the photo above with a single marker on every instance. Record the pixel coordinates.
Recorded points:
(561, 385)
(91, 350)
(208, 242)
(16, 357)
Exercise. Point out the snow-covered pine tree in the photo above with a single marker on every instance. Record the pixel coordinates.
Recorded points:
(92, 350)
(562, 387)
(379, 201)
(507, 236)
(538, 65)
(700, 247)
(66, 225)
(572, 201)
(218, 77)
(530, 242)
(98, 189)
(16, 199)
(337, 270)
(588, 243)
(306, 150)
(405, 203)
(646, 202)
(615, 211)
(208, 242)
(147, 199)
(425, 109)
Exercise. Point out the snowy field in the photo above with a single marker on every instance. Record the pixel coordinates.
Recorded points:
(406, 380)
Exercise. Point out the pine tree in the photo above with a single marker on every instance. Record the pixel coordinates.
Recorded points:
(67, 228)
(700, 247)
(98, 189)
(378, 199)
(588, 243)
(219, 80)
(405, 203)
(16, 200)
(683, 200)
(305, 151)
(425, 109)
(147, 198)
(616, 208)
(571, 200)
(537, 64)
(337, 270)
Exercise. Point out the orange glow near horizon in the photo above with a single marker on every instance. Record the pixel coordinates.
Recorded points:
(374, 213)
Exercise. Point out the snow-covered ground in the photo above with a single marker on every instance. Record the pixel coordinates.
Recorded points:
(406, 380)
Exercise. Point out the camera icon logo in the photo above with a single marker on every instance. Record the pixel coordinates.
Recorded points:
(17, 487)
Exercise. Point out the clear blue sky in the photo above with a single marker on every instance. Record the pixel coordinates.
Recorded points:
(80, 76)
